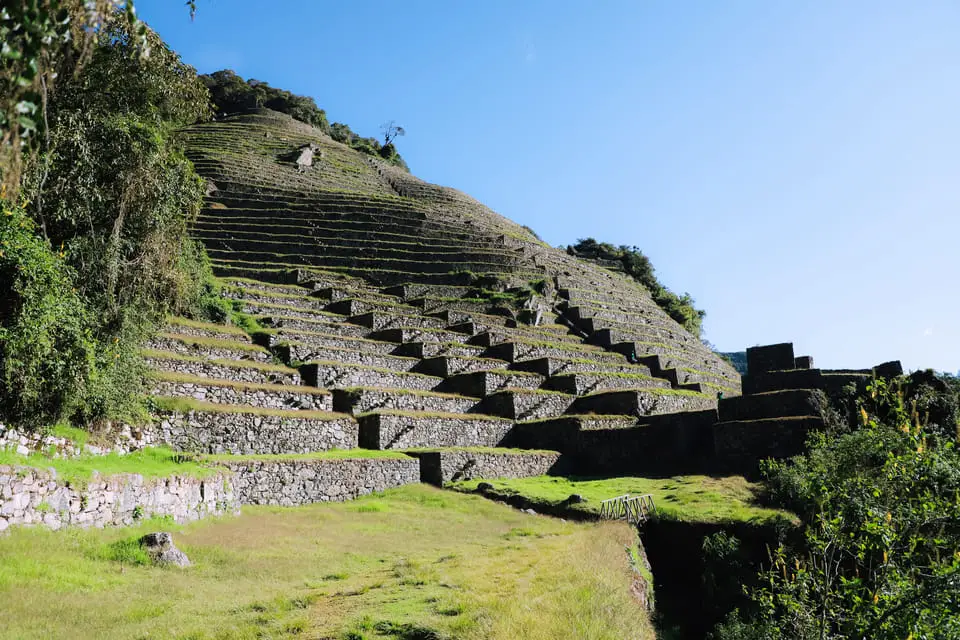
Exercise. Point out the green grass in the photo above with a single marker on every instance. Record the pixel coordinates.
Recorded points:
(681, 498)
(207, 326)
(415, 562)
(653, 391)
(184, 405)
(153, 462)
(411, 392)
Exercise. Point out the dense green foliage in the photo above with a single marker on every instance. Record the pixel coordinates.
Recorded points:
(97, 252)
(638, 266)
(232, 94)
(880, 501)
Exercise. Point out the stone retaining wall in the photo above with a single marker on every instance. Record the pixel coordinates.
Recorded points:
(250, 433)
(121, 439)
(386, 431)
(224, 372)
(208, 352)
(35, 496)
(365, 400)
(295, 482)
(251, 396)
(438, 467)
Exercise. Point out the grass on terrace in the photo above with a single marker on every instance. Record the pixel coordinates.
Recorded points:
(414, 562)
(681, 498)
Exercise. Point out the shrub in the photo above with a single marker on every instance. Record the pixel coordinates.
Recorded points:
(47, 352)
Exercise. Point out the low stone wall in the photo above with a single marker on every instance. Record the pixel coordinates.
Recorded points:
(438, 467)
(334, 374)
(35, 496)
(209, 352)
(120, 439)
(295, 482)
(251, 433)
(266, 398)
(224, 372)
(365, 400)
(525, 405)
(393, 431)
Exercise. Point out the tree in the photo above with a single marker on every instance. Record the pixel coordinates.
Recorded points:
(391, 131)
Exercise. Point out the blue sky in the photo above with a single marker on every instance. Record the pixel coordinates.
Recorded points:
(794, 166)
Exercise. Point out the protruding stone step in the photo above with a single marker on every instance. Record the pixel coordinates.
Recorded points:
(643, 402)
(298, 352)
(235, 370)
(285, 325)
(526, 404)
(514, 351)
(583, 383)
(378, 321)
(264, 396)
(209, 348)
(318, 341)
(403, 430)
(483, 383)
(436, 349)
(416, 334)
(446, 366)
(338, 375)
(552, 366)
(213, 428)
(368, 399)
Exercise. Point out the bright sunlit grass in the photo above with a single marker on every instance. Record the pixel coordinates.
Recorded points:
(414, 562)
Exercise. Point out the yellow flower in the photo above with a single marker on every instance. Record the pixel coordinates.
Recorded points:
(876, 598)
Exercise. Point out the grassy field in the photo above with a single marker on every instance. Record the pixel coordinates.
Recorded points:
(415, 563)
(683, 498)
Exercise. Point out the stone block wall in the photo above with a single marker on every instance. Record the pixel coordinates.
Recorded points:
(215, 370)
(35, 496)
(252, 396)
(296, 482)
(251, 433)
(391, 431)
(438, 467)
(120, 439)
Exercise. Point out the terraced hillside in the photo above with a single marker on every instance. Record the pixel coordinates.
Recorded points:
(397, 314)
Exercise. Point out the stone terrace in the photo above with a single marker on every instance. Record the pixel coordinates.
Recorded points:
(378, 330)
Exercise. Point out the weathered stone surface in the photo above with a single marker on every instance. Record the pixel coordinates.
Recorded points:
(35, 496)
(404, 431)
(294, 482)
(114, 438)
(163, 343)
(250, 433)
(237, 373)
(159, 546)
(641, 402)
(438, 467)
(333, 375)
(525, 405)
(740, 445)
(268, 398)
(373, 399)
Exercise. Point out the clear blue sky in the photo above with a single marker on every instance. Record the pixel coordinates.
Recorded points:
(795, 166)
